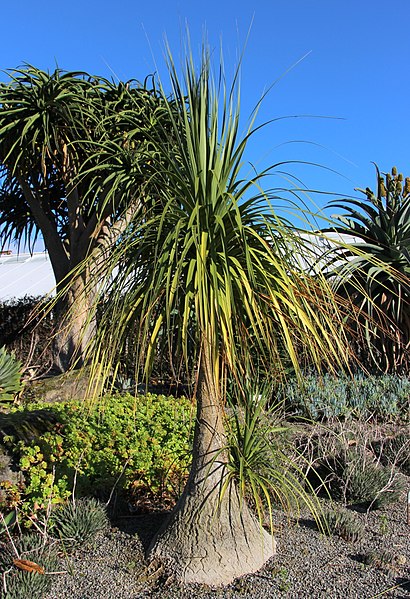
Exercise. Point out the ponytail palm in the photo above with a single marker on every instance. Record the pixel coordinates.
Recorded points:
(207, 273)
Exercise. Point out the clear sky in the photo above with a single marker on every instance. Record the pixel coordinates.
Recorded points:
(356, 69)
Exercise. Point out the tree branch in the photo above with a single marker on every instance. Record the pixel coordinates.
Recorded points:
(55, 247)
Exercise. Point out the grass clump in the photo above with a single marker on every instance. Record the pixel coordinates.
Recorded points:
(359, 480)
(343, 466)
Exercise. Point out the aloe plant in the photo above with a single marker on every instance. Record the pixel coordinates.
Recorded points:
(374, 270)
(10, 376)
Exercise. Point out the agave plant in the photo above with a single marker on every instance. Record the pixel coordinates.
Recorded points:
(10, 376)
(374, 269)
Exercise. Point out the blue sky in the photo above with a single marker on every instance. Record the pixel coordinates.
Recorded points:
(355, 69)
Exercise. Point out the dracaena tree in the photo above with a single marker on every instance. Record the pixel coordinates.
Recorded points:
(52, 127)
(207, 275)
(373, 270)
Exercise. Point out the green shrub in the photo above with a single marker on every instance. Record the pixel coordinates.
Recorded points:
(379, 397)
(124, 441)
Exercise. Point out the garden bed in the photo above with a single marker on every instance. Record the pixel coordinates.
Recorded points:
(307, 565)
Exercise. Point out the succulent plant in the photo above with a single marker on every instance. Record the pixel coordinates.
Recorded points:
(385, 560)
(76, 523)
(34, 582)
(395, 450)
(370, 484)
(342, 523)
(353, 477)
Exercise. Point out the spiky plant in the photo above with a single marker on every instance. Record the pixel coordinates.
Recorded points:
(373, 269)
(18, 583)
(76, 523)
(357, 479)
(385, 560)
(259, 452)
(10, 376)
(207, 275)
(61, 135)
(342, 523)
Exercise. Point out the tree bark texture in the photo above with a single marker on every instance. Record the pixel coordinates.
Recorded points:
(209, 538)
(74, 324)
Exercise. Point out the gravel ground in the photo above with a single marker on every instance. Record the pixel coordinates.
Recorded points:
(307, 565)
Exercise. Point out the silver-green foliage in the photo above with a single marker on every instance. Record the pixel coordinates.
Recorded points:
(381, 397)
(10, 376)
(76, 523)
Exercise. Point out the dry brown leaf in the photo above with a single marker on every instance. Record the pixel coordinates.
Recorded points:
(25, 564)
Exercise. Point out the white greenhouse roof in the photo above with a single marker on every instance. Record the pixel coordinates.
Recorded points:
(32, 274)
(25, 274)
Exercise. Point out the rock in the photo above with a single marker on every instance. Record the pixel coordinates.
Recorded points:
(7, 471)
(64, 387)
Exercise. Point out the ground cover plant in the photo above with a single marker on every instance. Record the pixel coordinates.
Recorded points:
(383, 398)
(139, 445)
(82, 452)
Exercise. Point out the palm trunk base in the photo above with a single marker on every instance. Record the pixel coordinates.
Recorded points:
(211, 541)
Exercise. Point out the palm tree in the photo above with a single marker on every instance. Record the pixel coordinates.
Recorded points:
(374, 270)
(51, 130)
(207, 269)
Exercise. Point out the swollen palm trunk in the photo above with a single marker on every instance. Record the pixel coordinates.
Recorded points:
(211, 538)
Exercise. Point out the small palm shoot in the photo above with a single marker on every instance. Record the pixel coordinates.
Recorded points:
(258, 458)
